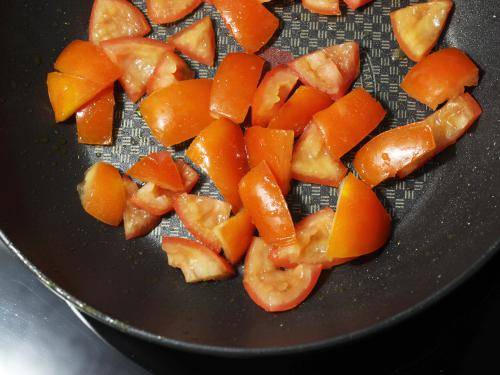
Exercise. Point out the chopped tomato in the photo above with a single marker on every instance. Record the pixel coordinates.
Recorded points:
(200, 215)
(160, 169)
(178, 112)
(251, 24)
(219, 150)
(264, 201)
(355, 4)
(138, 58)
(189, 176)
(327, 7)
(361, 224)
(298, 111)
(166, 11)
(331, 70)
(275, 146)
(417, 27)
(235, 235)
(102, 193)
(154, 199)
(274, 289)
(312, 162)
(170, 69)
(94, 122)
(271, 94)
(347, 121)
(197, 262)
(234, 86)
(197, 41)
(440, 76)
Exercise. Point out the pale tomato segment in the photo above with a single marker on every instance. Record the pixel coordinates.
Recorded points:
(154, 199)
(94, 121)
(355, 4)
(235, 235)
(165, 11)
(274, 289)
(327, 7)
(171, 68)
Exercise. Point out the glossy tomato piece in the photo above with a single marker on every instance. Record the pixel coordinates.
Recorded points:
(94, 122)
(178, 112)
(264, 201)
(154, 199)
(347, 121)
(274, 289)
(197, 262)
(166, 11)
(251, 24)
(111, 19)
(440, 76)
(189, 176)
(235, 235)
(271, 94)
(171, 68)
(355, 4)
(102, 193)
(197, 41)
(417, 27)
(361, 224)
(298, 111)
(275, 146)
(219, 150)
(200, 215)
(312, 162)
(327, 7)
(160, 169)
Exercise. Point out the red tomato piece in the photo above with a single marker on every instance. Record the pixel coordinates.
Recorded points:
(275, 146)
(160, 169)
(271, 288)
(271, 94)
(298, 111)
(440, 76)
(197, 41)
(312, 162)
(251, 24)
(197, 262)
(166, 11)
(262, 197)
(94, 122)
(361, 224)
(417, 27)
(154, 199)
(235, 235)
(102, 193)
(178, 112)
(219, 150)
(111, 19)
(170, 69)
(189, 176)
(347, 121)
(355, 4)
(200, 215)
(331, 70)
(327, 7)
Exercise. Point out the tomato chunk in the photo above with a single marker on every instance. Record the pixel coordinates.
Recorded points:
(165, 11)
(312, 162)
(262, 197)
(200, 215)
(347, 121)
(440, 76)
(275, 146)
(94, 122)
(196, 262)
(327, 7)
(355, 4)
(160, 169)
(251, 24)
(271, 288)
(361, 224)
(171, 68)
(235, 235)
(219, 150)
(102, 193)
(178, 112)
(154, 199)
(189, 176)
(417, 27)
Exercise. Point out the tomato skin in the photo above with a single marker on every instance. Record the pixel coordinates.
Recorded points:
(262, 197)
(94, 122)
(171, 68)
(355, 4)
(235, 235)
(178, 112)
(251, 24)
(347, 121)
(326, 7)
(166, 11)
(440, 76)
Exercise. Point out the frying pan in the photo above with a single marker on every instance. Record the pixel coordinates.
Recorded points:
(446, 216)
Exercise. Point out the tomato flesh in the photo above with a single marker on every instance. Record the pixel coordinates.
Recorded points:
(171, 68)
(327, 7)
(355, 4)
(189, 176)
(154, 199)
(166, 11)
(235, 235)
(94, 122)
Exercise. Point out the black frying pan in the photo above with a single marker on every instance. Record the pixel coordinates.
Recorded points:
(446, 216)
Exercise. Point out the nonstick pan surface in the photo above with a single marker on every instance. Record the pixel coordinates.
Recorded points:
(446, 216)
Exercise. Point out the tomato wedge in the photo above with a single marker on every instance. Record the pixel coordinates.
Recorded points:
(235, 235)
(262, 197)
(171, 68)
(298, 111)
(102, 193)
(312, 162)
(440, 76)
(94, 122)
(200, 215)
(160, 169)
(189, 176)
(197, 41)
(355, 4)
(234, 85)
(271, 288)
(196, 262)
(347, 121)
(327, 7)
(165, 11)
(417, 27)
(361, 224)
(219, 150)
(275, 146)
(154, 199)
(251, 24)
(178, 112)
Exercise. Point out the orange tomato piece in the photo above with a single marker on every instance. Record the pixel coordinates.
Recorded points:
(171, 68)
(94, 122)
(189, 176)
(166, 11)
(327, 7)
(154, 199)
(160, 169)
(355, 4)
(235, 235)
